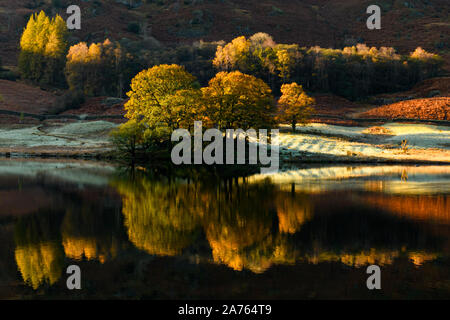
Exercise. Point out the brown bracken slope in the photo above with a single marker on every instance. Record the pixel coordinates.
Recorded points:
(423, 109)
(20, 97)
(428, 100)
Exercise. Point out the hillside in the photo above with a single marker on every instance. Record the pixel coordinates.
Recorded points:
(428, 100)
(423, 109)
(327, 23)
(20, 97)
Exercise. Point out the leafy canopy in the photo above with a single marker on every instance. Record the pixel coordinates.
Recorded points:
(240, 101)
(295, 105)
(43, 49)
(164, 95)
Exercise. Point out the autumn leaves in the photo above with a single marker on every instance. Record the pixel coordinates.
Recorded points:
(167, 95)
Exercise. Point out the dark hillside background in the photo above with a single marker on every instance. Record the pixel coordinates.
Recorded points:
(327, 23)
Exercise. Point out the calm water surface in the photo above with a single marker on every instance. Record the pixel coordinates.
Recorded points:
(304, 233)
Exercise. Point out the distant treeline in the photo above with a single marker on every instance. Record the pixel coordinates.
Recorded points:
(107, 68)
(353, 72)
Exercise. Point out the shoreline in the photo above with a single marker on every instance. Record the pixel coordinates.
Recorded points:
(108, 157)
(313, 143)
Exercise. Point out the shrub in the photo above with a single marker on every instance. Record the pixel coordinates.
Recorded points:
(135, 142)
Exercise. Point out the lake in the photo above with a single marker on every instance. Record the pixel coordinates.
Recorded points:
(306, 232)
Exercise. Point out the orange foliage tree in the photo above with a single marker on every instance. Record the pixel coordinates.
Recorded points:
(294, 105)
(237, 100)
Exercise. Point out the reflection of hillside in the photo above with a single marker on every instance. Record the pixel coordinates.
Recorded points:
(12, 203)
(435, 208)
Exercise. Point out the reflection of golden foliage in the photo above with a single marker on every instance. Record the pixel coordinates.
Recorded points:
(374, 256)
(257, 258)
(237, 219)
(415, 207)
(419, 258)
(355, 259)
(90, 248)
(40, 263)
(293, 212)
(368, 258)
(230, 232)
(226, 255)
(237, 235)
(158, 218)
(89, 234)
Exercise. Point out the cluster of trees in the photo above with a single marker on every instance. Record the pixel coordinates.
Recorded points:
(353, 72)
(107, 68)
(167, 97)
(98, 69)
(43, 49)
(104, 68)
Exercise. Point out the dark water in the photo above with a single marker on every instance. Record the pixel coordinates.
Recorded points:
(303, 234)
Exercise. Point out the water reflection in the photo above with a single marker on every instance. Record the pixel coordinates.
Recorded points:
(245, 224)
(159, 218)
(91, 234)
(39, 254)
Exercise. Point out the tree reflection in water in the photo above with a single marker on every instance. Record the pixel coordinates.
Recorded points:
(254, 226)
(39, 254)
(91, 233)
(245, 226)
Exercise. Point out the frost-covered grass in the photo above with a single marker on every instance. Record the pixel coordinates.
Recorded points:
(339, 141)
(418, 135)
(424, 142)
(80, 134)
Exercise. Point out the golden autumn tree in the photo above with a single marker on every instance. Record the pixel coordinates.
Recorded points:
(233, 56)
(240, 101)
(295, 106)
(425, 64)
(165, 95)
(287, 57)
(43, 46)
